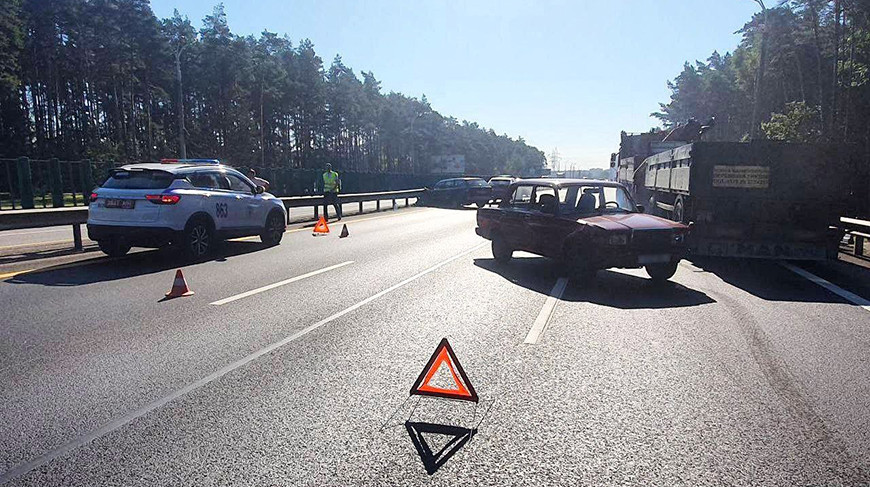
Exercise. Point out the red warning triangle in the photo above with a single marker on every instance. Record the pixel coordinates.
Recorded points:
(321, 226)
(444, 356)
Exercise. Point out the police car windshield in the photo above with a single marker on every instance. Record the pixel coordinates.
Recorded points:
(138, 179)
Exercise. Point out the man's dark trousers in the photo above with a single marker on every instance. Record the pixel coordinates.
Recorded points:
(331, 198)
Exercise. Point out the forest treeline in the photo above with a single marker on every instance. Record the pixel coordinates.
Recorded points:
(800, 73)
(107, 80)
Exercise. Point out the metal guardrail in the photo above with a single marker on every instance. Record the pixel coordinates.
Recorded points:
(318, 200)
(76, 216)
(859, 229)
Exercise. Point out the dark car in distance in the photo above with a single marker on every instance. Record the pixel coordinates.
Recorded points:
(588, 224)
(500, 186)
(458, 192)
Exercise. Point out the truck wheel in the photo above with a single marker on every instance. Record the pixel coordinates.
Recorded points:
(661, 272)
(113, 247)
(199, 238)
(500, 250)
(679, 210)
(274, 229)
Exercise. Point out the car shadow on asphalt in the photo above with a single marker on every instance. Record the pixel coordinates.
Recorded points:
(607, 288)
(103, 269)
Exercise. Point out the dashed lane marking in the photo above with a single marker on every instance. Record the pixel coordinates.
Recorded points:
(278, 284)
(546, 312)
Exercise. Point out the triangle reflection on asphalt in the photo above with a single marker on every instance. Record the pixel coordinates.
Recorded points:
(456, 437)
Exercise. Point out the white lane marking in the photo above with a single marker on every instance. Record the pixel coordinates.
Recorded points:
(849, 296)
(278, 284)
(133, 415)
(547, 311)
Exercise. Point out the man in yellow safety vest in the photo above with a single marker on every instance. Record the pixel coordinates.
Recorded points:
(331, 188)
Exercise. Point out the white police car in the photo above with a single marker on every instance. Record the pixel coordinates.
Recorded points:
(191, 203)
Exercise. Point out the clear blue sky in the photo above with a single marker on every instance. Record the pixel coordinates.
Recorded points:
(562, 74)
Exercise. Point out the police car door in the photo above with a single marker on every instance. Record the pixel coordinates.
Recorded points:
(230, 209)
(216, 200)
(251, 215)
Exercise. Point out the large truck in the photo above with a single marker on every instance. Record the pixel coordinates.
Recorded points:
(760, 199)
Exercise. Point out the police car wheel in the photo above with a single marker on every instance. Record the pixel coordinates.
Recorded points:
(274, 229)
(198, 238)
(113, 247)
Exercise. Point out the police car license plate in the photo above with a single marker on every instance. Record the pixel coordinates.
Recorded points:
(122, 204)
(653, 259)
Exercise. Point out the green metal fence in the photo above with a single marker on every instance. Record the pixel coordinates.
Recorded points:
(50, 183)
(45, 183)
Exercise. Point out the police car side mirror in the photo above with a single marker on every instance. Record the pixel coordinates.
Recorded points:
(259, 189)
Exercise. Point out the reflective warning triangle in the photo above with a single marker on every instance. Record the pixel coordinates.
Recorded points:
(321, 226)
(444, 356)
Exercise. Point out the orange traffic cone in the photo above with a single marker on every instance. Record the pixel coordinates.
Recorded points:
(321, 228)
(344, 232)
(179, 287)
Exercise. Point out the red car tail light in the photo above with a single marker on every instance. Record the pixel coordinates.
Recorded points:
(163, 199)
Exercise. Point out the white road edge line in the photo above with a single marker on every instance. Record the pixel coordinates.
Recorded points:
(547, 311)
(230, 299)
(133, 415)
(849, 296)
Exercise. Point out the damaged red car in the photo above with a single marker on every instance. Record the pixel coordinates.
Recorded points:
(587, 224)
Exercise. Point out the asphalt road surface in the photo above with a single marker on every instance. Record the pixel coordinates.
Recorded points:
(739, 373)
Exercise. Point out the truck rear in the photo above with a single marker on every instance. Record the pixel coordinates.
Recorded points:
(760, 199)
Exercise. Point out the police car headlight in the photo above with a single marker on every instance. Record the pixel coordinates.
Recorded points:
(618, 239)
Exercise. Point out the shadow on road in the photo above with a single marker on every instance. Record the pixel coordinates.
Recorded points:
(102, 269)
(450, 439)
(766, 279)
(608, 288)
